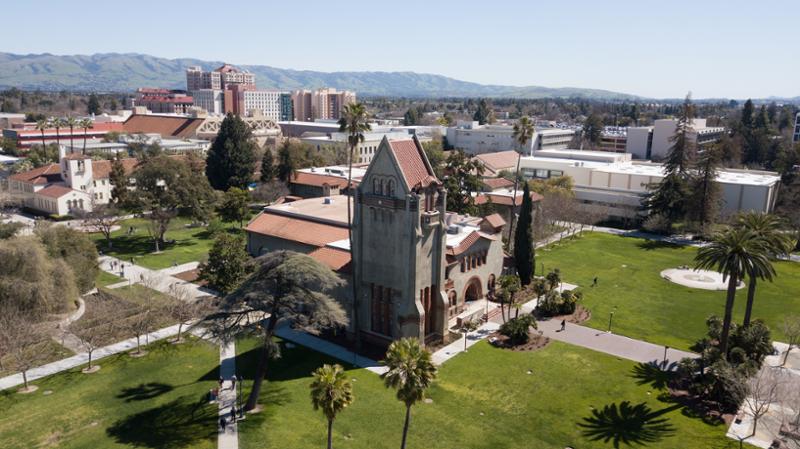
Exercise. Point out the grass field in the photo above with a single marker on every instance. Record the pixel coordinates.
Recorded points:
(191, 243)
(648, 307)
(157, 401)
(105, 279)
(483, 399)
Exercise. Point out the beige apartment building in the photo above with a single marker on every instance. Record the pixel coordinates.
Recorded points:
(320, 104)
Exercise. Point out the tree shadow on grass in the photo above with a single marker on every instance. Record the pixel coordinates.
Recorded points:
(143, 392)
(650, 245)
(651, 374)
(177, 424)
(628, 424)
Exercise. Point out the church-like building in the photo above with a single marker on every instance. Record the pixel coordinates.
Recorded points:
(419, 269)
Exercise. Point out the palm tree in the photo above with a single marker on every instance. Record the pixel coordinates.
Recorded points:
(733, 253)
(57, 123)
(86, 124)
(523, 133)
(42, 125)
(410, 371)
(71, 122)
(355, 122)
(331, 392)
(768, 228)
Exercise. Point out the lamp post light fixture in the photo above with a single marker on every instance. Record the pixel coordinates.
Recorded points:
(610, 317)
(666, 348)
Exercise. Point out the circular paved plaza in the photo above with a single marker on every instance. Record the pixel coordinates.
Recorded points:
(705, 279)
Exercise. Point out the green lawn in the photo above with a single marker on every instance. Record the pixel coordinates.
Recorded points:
(191, 243)
(157, 401)
(483, 399)
(649, 307)
(105, 279)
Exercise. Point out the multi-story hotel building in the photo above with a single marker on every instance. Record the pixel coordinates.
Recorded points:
(320, 104)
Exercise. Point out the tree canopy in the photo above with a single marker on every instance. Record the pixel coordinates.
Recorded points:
(231, 158)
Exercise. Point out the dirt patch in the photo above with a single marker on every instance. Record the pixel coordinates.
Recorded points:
(696, 407)
(580, 315)
(535, 342)
(191, 276)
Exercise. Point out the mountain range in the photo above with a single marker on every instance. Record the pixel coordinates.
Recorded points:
(125, 72)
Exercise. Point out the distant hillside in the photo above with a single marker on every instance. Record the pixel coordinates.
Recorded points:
(125, 72)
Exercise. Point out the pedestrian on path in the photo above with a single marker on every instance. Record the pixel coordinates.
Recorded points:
(222, 424)
(233, 414)
(233, 382)
(221, 381)
(594, 282)
(563, 325)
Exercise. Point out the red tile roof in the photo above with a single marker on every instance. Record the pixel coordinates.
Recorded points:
(296, 229)
(102, 169)
(167, 99)
(495, 162)
(335, 258)
(468, 241)
(495, 221)
(411, 158)
(54, 191)
(497, 183)
(504, 200)
(182, 127)
(318, 180)
(42, 175)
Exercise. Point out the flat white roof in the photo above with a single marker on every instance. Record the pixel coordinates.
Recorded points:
(339, 171)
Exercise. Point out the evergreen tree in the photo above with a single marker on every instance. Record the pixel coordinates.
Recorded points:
(668, 199)
(231, 159)
(484, 114)
(762, 121)
(747, 115)
(411, 117)
(228, 263)
(680, 156)
(593, 129)
(523, 240)
(706, 192)
(119, 182)
(235, 206)
(287, 163)
(268, 171)
(93, 105)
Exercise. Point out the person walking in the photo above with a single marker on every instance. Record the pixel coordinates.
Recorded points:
(233, 382)
(563, 325)
(221, 381)
(233, 414)
(594, 282)
(222, 424)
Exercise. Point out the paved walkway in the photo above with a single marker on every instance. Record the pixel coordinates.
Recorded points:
(154, 279)
(229, 435)
(83, 358)
(328, 348)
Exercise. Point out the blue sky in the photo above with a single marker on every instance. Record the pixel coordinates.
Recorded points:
(661, 49)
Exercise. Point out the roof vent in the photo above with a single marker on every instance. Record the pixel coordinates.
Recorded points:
(327, 200)
(453, 229)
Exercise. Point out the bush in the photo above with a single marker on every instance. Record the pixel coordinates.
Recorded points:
(564, 303)
(516, 329)
(657, 224)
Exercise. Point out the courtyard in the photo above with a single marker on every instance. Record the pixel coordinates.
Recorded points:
(648, 307)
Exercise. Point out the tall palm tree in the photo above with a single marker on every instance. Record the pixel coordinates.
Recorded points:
(523, 133)
(57, 123)
(355, 122)
(768, 228)
(410, 371)
(71, 122)
(42, 125)
(86, 124)
(734, 253)
(331, 392)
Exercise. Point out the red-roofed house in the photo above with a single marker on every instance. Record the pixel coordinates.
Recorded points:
(75, 183)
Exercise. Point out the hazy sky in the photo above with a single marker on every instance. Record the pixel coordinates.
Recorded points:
(661, 49)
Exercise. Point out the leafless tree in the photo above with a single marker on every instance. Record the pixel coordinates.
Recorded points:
(139, 325)
(96, 332)
(763, 392)
(269, 192)
(20, 339)
(790, 426)
(185, 309)
(103, 218)
(791, 329)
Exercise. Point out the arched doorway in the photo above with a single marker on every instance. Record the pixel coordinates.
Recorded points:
(474, 290)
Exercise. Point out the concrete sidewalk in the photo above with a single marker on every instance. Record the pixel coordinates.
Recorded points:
(328, 348)
(155, 279)
(83, 358)
(229, 435)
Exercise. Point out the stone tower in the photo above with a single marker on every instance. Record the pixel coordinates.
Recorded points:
(399, 241)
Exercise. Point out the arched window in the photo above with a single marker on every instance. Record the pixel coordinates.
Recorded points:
(376, 186)
(390, 188)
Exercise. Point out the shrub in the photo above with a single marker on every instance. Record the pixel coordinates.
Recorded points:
(516, 329)
(564, 303)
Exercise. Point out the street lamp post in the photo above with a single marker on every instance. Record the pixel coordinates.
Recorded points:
(666, 348)
(610, 317)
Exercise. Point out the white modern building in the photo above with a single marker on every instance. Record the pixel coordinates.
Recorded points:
(264, 102)
(614, 184)
(474, 138)
(365, 149)
(797, 128)
(211, 100)
(654, 142)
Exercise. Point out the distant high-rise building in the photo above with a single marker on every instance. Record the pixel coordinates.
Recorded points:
(797, 128)
(212, 100)
(287, 110)
(321, 104)
(197, 78)
(268, 103)
(228, 80)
